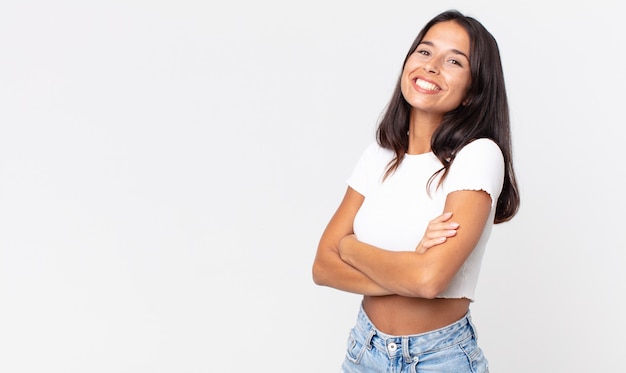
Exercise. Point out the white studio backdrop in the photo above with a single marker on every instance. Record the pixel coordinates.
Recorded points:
(167, 168)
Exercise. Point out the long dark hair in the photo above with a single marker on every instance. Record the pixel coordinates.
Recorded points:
(484, 113)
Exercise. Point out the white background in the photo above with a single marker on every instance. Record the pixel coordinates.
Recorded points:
(167, 168)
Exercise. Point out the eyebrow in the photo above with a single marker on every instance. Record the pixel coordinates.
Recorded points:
(455, 51)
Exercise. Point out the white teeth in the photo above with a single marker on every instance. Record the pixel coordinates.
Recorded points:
(426, 85)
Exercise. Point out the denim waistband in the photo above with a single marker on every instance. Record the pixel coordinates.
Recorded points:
(415, 344)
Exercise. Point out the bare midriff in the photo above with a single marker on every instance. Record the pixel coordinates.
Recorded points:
(397, 315)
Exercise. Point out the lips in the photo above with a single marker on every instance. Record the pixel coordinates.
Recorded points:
(426, 85)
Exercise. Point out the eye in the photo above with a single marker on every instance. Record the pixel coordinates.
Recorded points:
(423, 52)
(456, 62)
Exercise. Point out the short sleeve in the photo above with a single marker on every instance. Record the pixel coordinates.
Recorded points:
(479, 165)
(364, 175)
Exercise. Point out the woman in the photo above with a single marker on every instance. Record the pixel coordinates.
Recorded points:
(443, 150)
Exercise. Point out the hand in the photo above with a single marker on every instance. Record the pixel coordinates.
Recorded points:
(438, 231)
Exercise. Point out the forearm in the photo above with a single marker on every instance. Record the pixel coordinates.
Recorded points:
(427, 274)
(403, 273)
(330, 270)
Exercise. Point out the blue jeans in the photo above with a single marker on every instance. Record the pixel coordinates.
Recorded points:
(452, 348)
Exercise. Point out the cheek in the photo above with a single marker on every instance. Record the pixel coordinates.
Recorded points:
(404, 85)
(467, 79)
(463, 87)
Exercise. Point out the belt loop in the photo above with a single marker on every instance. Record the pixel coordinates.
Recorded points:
(471, 325)
(405, 350)
(368, 339)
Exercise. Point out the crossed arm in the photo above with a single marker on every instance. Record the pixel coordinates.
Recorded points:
(345, 263)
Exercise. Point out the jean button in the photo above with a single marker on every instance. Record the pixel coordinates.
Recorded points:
(392, 347)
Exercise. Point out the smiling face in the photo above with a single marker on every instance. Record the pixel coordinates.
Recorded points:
(437, 76)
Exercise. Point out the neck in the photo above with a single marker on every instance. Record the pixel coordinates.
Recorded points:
(420, 133)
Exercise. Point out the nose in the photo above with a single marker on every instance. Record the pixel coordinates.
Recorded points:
(431, 67)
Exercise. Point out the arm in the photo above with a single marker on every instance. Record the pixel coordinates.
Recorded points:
(424, 275)
(328, 268)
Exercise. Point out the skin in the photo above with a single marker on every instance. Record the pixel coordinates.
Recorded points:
(435, 80)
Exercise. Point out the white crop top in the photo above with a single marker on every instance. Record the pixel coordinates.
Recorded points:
(396, 212)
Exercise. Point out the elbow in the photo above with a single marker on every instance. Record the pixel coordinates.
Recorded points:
(323, 270)
(432, 291)
(421, 291)
(319, 274)
(427, 286)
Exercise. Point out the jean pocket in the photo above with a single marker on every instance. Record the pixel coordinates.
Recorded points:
(354, 349)
(475, 355)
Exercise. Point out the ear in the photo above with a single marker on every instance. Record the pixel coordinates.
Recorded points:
(466, 101)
